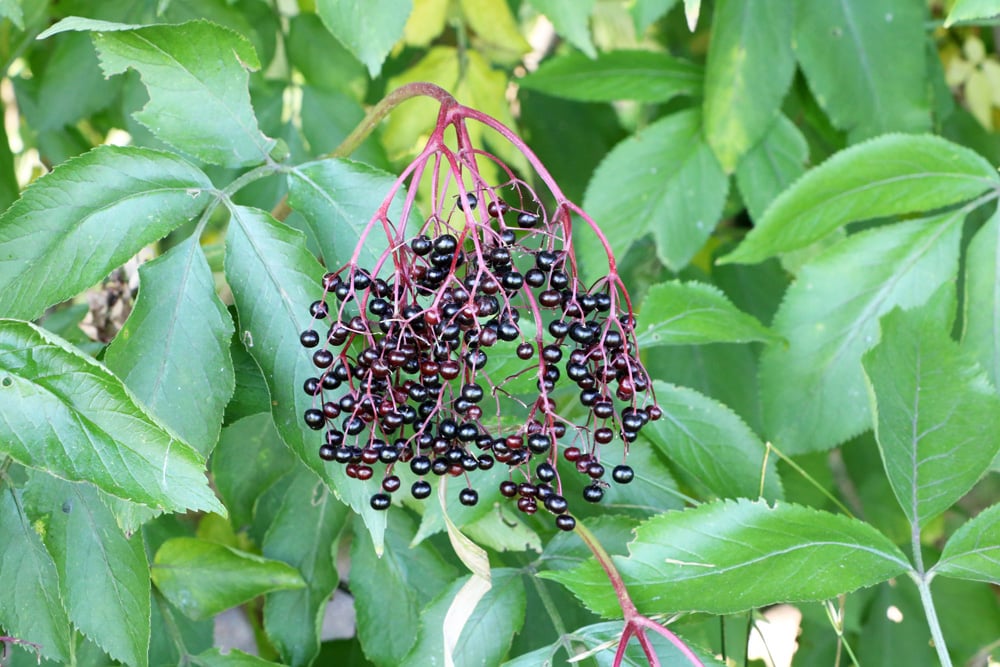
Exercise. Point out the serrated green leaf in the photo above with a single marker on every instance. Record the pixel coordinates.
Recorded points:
(973, 551)
(866, 64)
(646, 12)
(203, 578)
(72, 86)
(662, 180)
(233, 658)
(104, 578)
(321, 59)
(813, 391)
(971, 10)
(303, 534)
(749, 68)
(173, 351)
(690, 313)
(196, 75)
(570, 19)
(487, 634)
(249, 459)
(111, 202)
(981, 333)
(891, 175)
(497, 33)
(644, 76)
(712, 444)
(274, 279)
(368, 30)
(415, 575)
(64, 413)
(338, 198)
(731, 556)
(770, 166)
(937, 417)
(31, 607)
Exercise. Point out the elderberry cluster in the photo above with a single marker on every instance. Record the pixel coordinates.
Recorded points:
(403, 367)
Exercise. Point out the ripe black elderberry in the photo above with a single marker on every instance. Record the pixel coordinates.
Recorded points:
(449, 353)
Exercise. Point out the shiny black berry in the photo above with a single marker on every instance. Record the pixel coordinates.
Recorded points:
(309, 338)
(468, 497)
(381, 501)
(622, 474)
(565, 522)
(421, 489)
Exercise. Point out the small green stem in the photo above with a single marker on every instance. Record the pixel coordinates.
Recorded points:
(924, 586)
(799, 469)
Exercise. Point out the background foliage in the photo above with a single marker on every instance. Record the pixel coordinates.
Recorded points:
(802, 197)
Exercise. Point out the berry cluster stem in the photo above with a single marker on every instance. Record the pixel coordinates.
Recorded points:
(635, 623)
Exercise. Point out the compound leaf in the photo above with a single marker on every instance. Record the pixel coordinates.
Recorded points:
(66, 414)
(71, 227)
(937, 415)
(891, 175)
(731, 556)
(812, 390)
(202, 578)
(173, 351)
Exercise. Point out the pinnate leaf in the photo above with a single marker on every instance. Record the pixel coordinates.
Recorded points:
(643, 76)
(173, 351)
(196, 75)
(830, 318)
(368, 29)
(66, 414)
(731, 556)
(690, 313)
(866, 64)
(303, 534)
(274, 278)
(103, 577)
(338, 198)
(973, 551)
(202, 578)
(981, 334)
(31, 608)
(663, 180)
(749, 68)
(891, 175)
(712, 444)
(71, 227)
(937, 415)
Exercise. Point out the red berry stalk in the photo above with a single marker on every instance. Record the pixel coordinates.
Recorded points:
(415, 355)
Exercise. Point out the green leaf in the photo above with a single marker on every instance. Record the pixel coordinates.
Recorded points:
(66, 414)
(890, 175)
(731, 556)
(771, 165)
(692, 313)
(663, 180)
(415, 575)
(368, 30)
(486, 636)
(274, 279)
(321, 59)
(31, 607)
(497, 32)
(11, 9)
(643, 76)
(866, 64)
(647, 12)
(973, 551)
(712, 444)
(173, 351)
(249, 458)
(196, 75)
(338, 198)
(203, 578)
(234, 658)
(303, 534)
(103, 577)
(749, 68)
(937, 415)
(72, 87)
(569, 18)
(981, 334)
(971, 10)
(813, 390)
(94, 202)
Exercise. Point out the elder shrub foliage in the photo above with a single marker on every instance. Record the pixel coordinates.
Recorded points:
(539, 330)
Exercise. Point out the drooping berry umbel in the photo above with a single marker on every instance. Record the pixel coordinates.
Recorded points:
(486, 278)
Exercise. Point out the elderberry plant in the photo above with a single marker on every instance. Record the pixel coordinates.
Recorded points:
(402, 347)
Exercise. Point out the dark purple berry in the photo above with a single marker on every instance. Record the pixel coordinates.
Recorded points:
(468, 497)
(622, 474)
(381, 501)
(565, 522)
(309, 338)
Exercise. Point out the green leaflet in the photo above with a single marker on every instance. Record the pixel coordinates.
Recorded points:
(64, 413)
(110, 201)
(771, 165)
(981, 333)
(570, 18)
(973, 551)
(730, 556)
(971, 10)
(368, 30)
